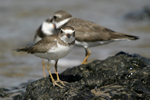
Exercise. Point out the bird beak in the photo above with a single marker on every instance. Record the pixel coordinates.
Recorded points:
(68, 35)
(54, 26)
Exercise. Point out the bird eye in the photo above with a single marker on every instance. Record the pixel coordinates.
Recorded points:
(54, 17)
(61, 31)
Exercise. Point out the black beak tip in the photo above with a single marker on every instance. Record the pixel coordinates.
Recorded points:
(68, 35)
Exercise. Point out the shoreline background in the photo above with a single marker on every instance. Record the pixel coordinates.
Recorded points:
(20, 19)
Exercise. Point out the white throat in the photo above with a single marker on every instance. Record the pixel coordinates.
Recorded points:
(67, 40)
(47, 28)
(59, 24)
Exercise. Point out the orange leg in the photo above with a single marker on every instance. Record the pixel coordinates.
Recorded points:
(43, 65)
(58, 79)
(53, 81)
(88, 53)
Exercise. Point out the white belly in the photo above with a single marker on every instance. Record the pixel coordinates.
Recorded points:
(91, 44)
(55, 53)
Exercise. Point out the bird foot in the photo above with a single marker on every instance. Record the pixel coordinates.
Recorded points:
(56, 84)
(62, 82)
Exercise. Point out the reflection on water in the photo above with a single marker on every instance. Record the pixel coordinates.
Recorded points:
(20, 19)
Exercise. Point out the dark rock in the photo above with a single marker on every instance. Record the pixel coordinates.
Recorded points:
(123, 76)
(3, 92)
(17, 97)
(140, 15)
(15, 93)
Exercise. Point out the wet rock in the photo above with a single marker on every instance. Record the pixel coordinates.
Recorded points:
(122, 76)
(13, 93)
(3, 92)
(140, 15)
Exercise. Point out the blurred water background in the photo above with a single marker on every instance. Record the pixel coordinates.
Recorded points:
(19, 20)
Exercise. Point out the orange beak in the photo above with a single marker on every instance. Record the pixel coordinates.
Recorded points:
(68, 35)
(54, 25)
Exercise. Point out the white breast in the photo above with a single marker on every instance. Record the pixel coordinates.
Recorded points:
(47, 28)
(56, 52)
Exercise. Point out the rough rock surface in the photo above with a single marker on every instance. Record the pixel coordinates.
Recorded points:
(122, 76)
(13, 93)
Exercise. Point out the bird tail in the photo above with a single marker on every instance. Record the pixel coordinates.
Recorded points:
(131, 37)
(24, 49)
(122, 36)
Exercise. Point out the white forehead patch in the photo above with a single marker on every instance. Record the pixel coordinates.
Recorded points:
(68, 30)
(58, 15)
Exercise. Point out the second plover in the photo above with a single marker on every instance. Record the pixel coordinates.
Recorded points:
(88, 34)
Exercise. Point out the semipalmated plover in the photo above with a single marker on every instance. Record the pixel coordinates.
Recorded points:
(47, 28)
(53, 47)
(88, 34)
